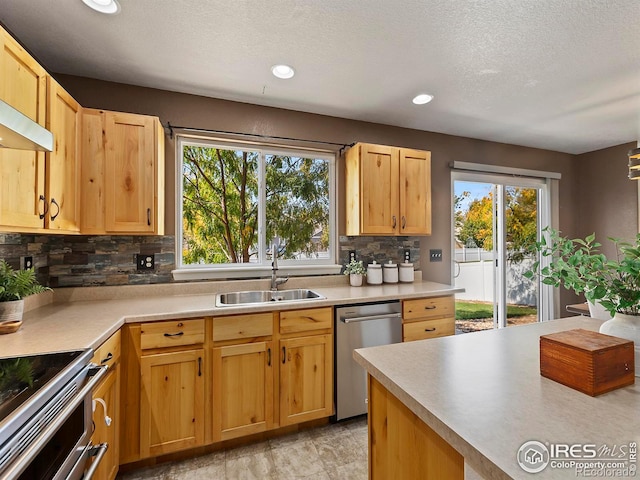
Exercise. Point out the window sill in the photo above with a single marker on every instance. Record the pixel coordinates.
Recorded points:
(208, 273)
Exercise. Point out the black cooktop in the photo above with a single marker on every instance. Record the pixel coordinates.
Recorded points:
(22, 377)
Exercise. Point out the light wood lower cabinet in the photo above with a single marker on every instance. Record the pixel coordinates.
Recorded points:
(306, 378)
(403, 446)
(107, 431)
(242, 389)
(431, 317)
(172, 402)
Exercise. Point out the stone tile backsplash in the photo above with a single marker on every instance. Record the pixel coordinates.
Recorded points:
(82, 260)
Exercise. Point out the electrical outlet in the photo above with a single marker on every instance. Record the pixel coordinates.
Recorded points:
(407, 255)
(145, 262)
(435, 255)
(352, 255)
(27, 262)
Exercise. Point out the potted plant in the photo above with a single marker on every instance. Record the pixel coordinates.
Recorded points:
(578, 265)
(14, 286)
(356, 271)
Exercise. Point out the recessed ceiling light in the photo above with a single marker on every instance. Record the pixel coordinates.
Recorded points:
(282, 71)
(103, 6)
(422, 99)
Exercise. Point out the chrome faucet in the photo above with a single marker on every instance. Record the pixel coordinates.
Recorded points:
(275, 280)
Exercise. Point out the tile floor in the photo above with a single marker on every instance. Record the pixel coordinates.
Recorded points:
(335, 451)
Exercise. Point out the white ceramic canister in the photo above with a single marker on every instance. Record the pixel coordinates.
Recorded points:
(406, 272)
(390, 272)
(374, 273)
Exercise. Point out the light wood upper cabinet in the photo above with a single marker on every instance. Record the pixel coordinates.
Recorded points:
(63, 163)
(23, 85)
(122, 173)
(388, 191)
(172, 402)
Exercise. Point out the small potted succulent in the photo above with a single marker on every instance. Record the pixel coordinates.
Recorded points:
(356, 271)
(14, 286)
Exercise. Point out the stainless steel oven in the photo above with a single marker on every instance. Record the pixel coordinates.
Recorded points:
(46, 417)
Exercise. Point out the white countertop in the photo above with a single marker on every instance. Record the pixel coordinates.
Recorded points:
(82, 324)
(483, 393)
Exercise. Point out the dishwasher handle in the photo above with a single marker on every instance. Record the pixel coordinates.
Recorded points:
(370, 317)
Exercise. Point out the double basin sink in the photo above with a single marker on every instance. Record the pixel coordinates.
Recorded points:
(258, 297)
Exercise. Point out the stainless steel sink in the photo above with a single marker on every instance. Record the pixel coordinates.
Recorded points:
(254, 297)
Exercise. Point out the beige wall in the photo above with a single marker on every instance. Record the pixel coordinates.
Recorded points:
(208, 113)
(606, 200)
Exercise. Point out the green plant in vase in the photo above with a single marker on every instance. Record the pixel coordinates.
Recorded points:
(356, 271)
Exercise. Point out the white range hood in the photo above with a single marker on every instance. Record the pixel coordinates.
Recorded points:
(20, 132)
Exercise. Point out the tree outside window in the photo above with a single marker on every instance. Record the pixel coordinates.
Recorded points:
(222, 211)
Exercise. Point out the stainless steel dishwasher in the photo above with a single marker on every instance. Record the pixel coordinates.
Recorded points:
(360, 326)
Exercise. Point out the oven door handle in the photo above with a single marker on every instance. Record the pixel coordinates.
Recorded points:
(97, 451)
(96, 374)
(371, 317)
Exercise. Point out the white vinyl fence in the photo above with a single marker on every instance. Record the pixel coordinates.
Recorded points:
(476, 270)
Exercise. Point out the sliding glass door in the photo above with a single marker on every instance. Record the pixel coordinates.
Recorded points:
(496, 220)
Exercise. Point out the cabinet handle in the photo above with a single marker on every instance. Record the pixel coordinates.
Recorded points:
(45, 206)
(430, 307)
(404, 221)
(179, 334)
(107, 358)
(149, 216)
(394, 221)
(284, 354)
(53, 202)
(430, 329)
(268, 357)
(199, 366)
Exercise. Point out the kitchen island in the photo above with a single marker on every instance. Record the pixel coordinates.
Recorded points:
(463, 406)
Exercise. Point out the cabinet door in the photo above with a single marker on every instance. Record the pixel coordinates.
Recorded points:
(242, 389)
(415, 192)
(306, 378)
(379, 190)
(63, 164)
(171, 402)
(130, 173)
(109, 391)
(24, 87)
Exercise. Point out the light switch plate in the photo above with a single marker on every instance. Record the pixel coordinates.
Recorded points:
(435, 255)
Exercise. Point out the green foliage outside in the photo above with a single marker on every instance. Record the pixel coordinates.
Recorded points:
(475, 226)
(475, 310)
(221, 211)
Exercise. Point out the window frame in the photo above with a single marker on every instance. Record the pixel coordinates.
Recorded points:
(263, 267)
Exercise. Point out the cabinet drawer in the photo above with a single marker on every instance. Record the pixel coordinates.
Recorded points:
(306, 320)
(242, 326)
(440, 327)
(171, 334)
(423, 308)
(109, 352)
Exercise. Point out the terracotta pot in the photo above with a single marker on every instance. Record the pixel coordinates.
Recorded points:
(11, 311)
(627, 327)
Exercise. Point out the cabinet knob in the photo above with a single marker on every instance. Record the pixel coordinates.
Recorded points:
(179, 334)
(394, 221)
(148, 216)
(404, 221)
(430, 329)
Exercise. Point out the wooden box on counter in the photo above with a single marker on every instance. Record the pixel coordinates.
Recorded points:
(590, 362)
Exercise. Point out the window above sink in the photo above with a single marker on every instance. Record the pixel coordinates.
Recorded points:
(233, 198)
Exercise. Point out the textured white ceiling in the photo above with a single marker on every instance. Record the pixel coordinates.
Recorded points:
(556, 74)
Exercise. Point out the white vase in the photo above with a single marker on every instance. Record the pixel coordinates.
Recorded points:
(597, 311)
(355, 280)
(11, 311)
(627, 327)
